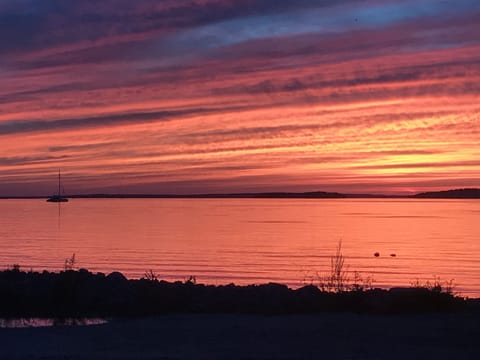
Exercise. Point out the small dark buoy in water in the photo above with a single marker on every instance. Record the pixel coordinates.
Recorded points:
(393, 255)
(377, 254)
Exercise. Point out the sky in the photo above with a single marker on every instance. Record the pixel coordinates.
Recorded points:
(215, 96)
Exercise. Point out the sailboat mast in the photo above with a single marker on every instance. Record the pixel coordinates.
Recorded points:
(58, 197)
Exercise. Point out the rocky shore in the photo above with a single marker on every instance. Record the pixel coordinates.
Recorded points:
(81, 294)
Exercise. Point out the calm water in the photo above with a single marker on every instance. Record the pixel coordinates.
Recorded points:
(249, 240)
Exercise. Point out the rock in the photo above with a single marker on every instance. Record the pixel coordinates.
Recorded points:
(116, 276)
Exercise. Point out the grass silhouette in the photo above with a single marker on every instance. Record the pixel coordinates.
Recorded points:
(79, 294)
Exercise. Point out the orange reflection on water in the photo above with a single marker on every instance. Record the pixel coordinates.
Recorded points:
(250, 240)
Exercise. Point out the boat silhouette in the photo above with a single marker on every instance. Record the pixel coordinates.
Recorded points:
(58, 197)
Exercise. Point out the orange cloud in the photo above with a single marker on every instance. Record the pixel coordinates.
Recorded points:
(389, 111)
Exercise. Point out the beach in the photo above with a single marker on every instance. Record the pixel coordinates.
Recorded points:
(314, 336)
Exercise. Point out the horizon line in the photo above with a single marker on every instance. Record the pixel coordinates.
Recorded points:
(319, 194)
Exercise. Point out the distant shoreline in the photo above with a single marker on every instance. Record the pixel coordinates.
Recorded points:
(447, 194)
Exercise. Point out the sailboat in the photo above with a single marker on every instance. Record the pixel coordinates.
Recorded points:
(58, 197)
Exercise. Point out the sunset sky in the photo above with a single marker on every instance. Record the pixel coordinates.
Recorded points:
(212, 96)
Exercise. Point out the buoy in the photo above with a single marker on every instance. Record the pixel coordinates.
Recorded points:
(377, 254)
(393, 255)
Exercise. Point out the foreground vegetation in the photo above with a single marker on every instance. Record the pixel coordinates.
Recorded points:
(81, 293)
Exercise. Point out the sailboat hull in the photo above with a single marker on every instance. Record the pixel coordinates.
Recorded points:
(57, 199)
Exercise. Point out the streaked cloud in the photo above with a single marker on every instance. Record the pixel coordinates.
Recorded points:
(228, 95)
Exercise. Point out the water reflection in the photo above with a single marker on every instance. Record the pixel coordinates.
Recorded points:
(48, 322)
(248, 240)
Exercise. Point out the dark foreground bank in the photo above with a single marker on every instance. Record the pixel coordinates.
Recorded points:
(313, 336)
(79, 294)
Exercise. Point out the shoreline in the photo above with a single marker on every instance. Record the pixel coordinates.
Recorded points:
(83, 294)
(468, 193)
(155, 319)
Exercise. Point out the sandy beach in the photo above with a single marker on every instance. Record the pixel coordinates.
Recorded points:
(328, 336)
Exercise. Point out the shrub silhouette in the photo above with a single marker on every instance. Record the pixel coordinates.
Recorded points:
(77, 294)
(339, 279)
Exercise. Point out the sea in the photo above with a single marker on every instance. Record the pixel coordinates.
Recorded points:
(384, 242)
